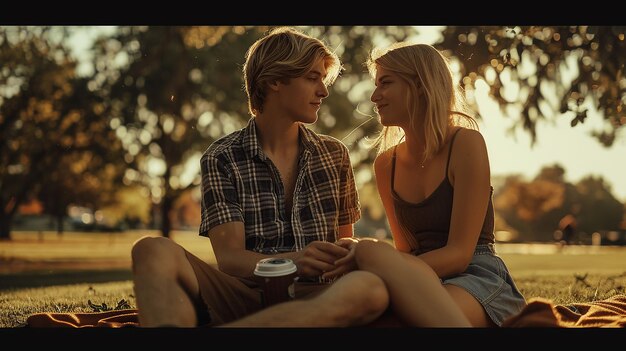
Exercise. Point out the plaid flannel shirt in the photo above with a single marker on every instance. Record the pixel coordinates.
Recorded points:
(239, 183)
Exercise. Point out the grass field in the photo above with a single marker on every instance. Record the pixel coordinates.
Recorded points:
(86, 272)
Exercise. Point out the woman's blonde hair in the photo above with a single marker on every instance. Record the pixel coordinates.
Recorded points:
(431, 87)
(283, 54)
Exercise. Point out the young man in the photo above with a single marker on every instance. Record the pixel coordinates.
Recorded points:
(271, 189)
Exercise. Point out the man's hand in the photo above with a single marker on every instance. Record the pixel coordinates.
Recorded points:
(319, 257)
(346, 263)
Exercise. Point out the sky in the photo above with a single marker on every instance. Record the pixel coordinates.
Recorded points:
(572, 148)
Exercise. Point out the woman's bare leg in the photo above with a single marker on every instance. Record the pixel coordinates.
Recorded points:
(415, 291)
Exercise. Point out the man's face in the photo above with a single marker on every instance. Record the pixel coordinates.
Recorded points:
(302, 97)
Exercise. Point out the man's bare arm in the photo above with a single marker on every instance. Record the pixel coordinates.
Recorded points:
(228, 241)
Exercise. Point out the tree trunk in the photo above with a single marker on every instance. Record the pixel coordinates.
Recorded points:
(5, 226)
(60, 224)
(166, 206)
(166, 202)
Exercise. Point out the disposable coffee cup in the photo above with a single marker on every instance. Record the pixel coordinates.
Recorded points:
(276, 278)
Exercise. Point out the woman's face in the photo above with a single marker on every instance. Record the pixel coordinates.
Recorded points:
(390, 98)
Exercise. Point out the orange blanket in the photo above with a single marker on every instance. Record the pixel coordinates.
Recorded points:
(539, 312)
(108, 319)
(610, 312)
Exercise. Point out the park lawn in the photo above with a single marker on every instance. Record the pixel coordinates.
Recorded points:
(564, 275)
(17, 304)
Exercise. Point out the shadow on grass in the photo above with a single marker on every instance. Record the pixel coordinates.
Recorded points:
(48, 278)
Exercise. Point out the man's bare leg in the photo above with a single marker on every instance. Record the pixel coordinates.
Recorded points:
(356, 298)
(163, 279)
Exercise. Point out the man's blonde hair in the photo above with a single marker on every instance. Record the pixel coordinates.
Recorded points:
(283, 54)
(424, 68)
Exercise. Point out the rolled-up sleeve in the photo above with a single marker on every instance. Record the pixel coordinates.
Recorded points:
(350, 207)
(220, 203)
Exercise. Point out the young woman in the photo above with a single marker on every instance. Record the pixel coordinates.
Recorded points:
(433, 177)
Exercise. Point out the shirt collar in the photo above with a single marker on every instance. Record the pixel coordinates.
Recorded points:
(308, 139)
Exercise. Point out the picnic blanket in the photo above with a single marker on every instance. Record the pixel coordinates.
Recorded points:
(539, 312)
(107, 319)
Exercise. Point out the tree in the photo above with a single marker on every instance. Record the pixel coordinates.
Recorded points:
(571, 198)
(85, 179)
(599, 209)
(535, 207)
(172, 91)
(525, 68)
(525, 205)
(47, 115)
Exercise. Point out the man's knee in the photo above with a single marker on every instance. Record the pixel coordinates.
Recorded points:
(148, 250)
(365, 292)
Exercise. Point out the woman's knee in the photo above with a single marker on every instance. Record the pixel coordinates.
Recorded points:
(369, 252)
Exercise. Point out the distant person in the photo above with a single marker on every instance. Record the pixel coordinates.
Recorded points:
(568, 225)
(272, 189)
(433, 177)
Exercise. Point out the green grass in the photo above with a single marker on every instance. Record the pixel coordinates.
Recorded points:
(16, 305)
(64, 274)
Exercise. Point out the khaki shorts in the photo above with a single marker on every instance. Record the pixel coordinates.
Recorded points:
(224, 298)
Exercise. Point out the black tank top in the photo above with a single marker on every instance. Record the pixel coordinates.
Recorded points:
(428, 222)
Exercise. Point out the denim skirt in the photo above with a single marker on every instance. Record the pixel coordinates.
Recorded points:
(488, 279)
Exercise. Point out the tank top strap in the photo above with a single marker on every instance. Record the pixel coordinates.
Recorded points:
(393, 165)
(450, 150)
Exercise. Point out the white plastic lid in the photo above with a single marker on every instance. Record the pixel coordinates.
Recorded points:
(274, 267)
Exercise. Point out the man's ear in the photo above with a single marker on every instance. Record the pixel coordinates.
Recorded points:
(273, 85)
